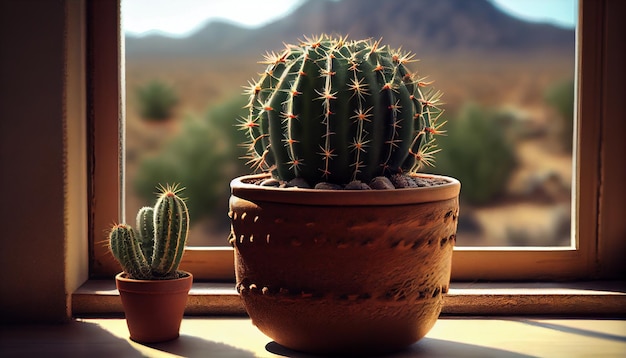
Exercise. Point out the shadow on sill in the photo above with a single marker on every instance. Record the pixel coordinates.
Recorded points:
(236, 337)
(426, 347)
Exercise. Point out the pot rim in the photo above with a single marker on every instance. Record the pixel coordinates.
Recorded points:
(253, 192)
(122, 276)
(173, 286)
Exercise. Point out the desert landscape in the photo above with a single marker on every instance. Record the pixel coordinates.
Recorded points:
(509, 76)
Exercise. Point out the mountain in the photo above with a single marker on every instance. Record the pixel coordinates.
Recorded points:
(421, 26)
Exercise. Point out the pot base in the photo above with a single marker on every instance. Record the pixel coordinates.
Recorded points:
(329, 326)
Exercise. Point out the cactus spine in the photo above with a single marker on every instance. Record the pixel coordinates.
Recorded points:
(334, 110)
(154, 250)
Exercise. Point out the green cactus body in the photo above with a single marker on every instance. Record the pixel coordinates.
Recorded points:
(335, 110)
(145, 230)
(171, 221)
(127, 250)
(155, 250)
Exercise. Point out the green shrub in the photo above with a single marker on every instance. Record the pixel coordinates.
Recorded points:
(203, 158)
(156, 100)
(221, 117)
(476, 151)
(560, 96)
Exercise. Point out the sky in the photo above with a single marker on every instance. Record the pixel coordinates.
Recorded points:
(182, 17)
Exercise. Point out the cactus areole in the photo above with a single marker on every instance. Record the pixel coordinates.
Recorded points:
(333, 110)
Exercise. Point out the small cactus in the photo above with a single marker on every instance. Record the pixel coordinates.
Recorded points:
(333, 110)
(154, 250)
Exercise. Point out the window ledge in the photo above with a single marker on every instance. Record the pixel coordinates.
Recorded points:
(601, 298)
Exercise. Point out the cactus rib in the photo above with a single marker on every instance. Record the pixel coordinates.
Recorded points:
(145, 231)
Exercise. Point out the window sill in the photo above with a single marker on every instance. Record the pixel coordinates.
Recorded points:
(237, 337)
(602, 298)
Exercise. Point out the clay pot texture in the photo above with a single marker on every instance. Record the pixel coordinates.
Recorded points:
(154, 308)
(343, 272)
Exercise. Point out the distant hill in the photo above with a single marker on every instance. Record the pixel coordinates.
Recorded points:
(426, 27)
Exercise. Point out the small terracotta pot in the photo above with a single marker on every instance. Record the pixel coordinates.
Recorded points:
(154, 308)
(343, 272)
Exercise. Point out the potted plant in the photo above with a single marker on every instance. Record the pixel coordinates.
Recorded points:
(153, 290)
(319, 267)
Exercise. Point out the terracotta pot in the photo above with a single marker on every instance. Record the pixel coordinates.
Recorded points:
(154, 308)
(343, 272)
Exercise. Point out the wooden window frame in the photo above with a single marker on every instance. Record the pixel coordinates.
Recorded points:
(599, 227)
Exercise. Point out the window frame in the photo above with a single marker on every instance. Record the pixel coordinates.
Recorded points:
(598, 241)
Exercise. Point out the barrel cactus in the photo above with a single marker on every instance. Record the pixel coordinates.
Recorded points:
(336, 111)
(155, 248)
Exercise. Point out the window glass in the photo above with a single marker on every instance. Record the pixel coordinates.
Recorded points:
(506, 68)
